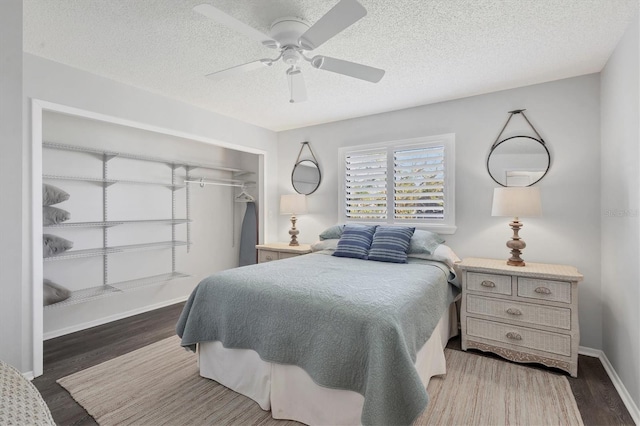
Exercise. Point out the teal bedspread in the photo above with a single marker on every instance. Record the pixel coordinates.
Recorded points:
(349, 323)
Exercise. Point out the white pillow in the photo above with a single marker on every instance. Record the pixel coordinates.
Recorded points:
(442, 253)
(330, 245)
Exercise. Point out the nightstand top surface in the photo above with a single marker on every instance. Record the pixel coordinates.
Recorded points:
(286, 248)
(531, 269)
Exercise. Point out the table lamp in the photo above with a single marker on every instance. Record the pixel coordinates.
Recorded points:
(516, 202)
(293, 204)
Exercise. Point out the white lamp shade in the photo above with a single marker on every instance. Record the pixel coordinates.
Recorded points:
(516, 202)
(293, 204)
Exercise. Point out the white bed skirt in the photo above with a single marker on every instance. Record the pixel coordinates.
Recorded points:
(289, 392)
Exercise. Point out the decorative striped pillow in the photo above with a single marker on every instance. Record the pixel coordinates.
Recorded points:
(390, 244)
(355, 241)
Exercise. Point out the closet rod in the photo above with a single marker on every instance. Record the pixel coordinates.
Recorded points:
(203, 182)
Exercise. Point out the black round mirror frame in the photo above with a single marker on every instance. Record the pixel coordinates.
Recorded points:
(317, 184)
(513, 137)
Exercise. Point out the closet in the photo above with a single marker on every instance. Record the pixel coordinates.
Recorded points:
(150, 216)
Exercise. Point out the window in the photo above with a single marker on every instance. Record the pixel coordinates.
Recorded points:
(402, 182)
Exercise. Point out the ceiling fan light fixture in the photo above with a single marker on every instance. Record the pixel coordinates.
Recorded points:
(291, 56)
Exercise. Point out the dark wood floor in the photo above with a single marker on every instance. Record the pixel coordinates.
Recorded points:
(597, 399)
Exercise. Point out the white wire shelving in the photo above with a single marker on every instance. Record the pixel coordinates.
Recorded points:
(110, 182)
(98, 292)
(78, 254)
(116, 223)
(105, 181)
(85, 295)
(239, 179)
(113, 154)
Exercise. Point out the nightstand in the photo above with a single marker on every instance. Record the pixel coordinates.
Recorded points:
(277, 251)
(522, 313)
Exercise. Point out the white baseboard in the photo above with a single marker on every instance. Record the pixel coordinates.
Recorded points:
(594, 353)
(78, 327)
(615, 379)
(28, 375)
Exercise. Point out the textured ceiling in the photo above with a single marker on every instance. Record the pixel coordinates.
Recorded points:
(432, 50)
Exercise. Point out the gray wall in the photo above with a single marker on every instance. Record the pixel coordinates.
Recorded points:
(567, 115)
(620, 99)
(12, 261)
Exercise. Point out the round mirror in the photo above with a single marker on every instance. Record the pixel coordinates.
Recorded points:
(305, 177)
(518, 161)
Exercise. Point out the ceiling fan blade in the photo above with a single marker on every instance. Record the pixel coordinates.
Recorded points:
(297, 88)
(250, 66)
(352, 69)
(232, 23)
(341, 16)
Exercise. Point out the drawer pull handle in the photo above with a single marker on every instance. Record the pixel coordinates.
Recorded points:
(487, 283)
(542, 290)
(514, 336)
(514, 311)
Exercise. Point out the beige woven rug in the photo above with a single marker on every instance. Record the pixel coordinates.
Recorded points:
(159, 385)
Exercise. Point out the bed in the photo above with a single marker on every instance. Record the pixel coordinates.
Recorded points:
(325, 340)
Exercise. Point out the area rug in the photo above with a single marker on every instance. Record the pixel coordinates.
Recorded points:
(159, 385)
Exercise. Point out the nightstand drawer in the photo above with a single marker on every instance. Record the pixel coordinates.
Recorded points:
(557, 291)
(555, 343)
(529, 313)
(267, 256)
(489, 283)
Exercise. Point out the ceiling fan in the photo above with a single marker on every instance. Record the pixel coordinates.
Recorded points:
(292, 37)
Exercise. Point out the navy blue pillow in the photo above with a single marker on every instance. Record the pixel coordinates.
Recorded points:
(391, 243)
(355, 241)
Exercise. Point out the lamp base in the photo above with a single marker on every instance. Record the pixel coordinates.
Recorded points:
(515, 261)
(516, 244)
(293, 232)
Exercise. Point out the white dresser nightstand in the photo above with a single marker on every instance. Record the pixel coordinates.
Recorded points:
(522, 313)
(276, 251)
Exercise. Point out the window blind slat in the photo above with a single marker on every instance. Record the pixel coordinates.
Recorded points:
(425, 203)
(419, 153)
(420, 195)
(431, 169)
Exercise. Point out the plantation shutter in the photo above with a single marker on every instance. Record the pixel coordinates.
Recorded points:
(418, 183)
(366, 185)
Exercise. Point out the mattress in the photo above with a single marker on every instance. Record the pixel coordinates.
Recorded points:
(290, 393)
